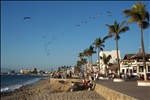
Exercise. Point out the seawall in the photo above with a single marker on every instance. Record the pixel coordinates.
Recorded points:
(110, 94)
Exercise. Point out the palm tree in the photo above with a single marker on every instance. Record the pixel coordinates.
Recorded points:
(77, 69)
(139, 14)
(115, 30)
(81, 55)
(106, 60)
(79, 65)
(59, 69)
(86, 54)
(90, 53)
(83, 62)
(99, 44)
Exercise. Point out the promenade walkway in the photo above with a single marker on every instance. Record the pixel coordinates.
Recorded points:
(129, 88)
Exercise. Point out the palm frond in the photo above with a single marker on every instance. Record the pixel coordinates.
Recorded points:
(121, 25)
(124, 29)
(145, 24)
(101, 49)
(117, 37)
(102, 45)
(127, 13)
(147, 16)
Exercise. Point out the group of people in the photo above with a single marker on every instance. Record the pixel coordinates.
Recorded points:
(86, 85)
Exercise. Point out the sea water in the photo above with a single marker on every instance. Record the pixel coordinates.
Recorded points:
(11, 82)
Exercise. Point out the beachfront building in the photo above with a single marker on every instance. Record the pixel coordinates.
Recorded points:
(95, 67)
(132, 64)
(112, 61)
(29, 71)
(11, 72)
(88, 67)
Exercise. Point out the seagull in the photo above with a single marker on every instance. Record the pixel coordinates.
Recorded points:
(27, 18)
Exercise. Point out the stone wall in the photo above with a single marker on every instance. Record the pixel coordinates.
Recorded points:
(110, 94)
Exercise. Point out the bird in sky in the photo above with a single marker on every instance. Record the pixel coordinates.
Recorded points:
(77, 25)
(108, 12)
(110, 15)
(44, 36)
(84, 21)
(26, 18)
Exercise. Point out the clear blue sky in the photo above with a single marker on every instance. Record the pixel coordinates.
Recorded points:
(53, 37)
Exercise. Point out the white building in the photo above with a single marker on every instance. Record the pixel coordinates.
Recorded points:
(113, 60)
(133, 64)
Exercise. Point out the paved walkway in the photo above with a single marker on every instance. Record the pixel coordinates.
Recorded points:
(129, 88)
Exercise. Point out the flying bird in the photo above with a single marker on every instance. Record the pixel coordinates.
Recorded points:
(26, 18)
(84, 21)
(77, 25)
(110, 15)
(44, 36)
(108, 12)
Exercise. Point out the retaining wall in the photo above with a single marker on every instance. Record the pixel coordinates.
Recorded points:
(110, 94)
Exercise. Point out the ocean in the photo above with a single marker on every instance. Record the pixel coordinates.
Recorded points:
(11, 82)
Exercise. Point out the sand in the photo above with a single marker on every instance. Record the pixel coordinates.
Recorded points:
(54, 89)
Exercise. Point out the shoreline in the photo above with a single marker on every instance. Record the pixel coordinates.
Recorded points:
(51, 89)
(9, 84)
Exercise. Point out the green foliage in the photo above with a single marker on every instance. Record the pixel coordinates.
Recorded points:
(105, 58)
(138, 14)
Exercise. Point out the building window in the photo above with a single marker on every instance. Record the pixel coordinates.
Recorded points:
(126, 70)
(148, 68)
(134, 69)
(140, 68)
(122, 70)
(131, 71)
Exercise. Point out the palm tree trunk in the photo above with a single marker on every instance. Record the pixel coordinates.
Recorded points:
(117, 57)
(143, 53)
(91, 64)
(98, 59)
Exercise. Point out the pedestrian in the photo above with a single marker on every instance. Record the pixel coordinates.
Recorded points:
(72, 83)
(112, 76)
(97, 77)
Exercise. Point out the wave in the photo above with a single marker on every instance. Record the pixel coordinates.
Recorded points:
(17, 86)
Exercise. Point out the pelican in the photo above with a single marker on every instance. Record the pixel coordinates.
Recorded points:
(108, 12)
(27, 18)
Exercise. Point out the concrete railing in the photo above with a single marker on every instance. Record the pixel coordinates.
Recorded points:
(110, 94)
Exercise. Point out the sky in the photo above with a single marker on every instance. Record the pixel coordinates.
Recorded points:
(57, 31)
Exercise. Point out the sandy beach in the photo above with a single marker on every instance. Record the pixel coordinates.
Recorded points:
(54, 89)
